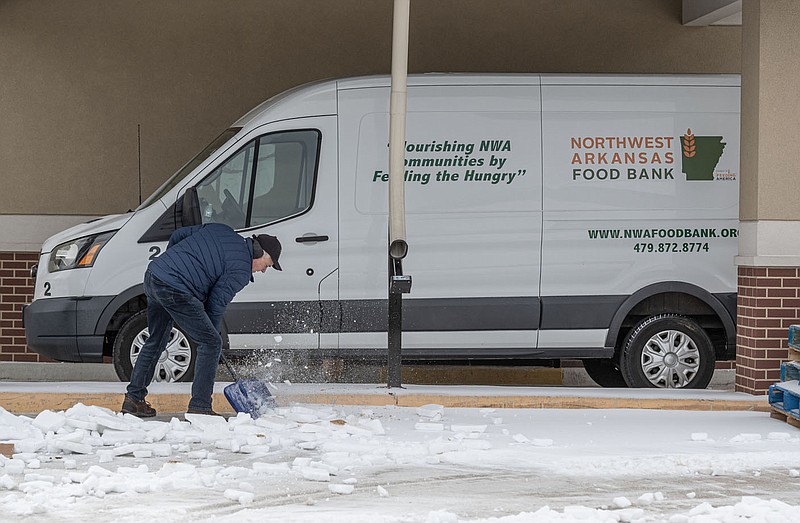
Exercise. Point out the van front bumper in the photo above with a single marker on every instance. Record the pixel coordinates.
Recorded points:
(64, 328)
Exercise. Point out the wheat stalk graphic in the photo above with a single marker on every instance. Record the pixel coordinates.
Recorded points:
(688, 144)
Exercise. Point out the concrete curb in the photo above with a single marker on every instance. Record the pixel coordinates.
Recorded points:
(351, 373)
(31, 398)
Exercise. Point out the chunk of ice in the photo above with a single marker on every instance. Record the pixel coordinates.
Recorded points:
(315, 474)
(337, 488)
(621, 502)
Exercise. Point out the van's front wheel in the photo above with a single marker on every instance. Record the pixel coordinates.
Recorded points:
(668, 351)
(176, 363)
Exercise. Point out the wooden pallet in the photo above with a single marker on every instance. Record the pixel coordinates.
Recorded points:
(790, 370)
(783, 416)
(784, 400)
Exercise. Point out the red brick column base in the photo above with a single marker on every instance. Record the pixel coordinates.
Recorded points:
(768, 302)
(16, 290)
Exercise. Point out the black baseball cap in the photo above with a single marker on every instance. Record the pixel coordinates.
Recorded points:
(269, 244)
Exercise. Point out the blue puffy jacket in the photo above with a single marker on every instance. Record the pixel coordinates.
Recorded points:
(211, 262)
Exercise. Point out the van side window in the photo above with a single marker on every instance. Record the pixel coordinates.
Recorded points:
(269, 179)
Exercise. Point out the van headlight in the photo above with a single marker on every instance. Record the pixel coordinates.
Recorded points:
(81, 252)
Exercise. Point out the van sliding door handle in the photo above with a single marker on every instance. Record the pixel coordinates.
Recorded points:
(310, 239)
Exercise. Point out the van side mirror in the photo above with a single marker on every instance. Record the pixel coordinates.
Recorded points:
(183, 213)
(190, 208)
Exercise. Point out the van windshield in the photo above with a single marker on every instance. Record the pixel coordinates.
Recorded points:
(173, 180)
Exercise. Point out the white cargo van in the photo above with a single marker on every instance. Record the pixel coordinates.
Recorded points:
(548, 216)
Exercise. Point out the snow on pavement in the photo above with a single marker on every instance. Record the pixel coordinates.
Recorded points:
(400, 464)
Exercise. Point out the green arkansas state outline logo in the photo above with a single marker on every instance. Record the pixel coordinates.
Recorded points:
(700, 156)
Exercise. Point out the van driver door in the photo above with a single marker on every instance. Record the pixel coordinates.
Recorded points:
(282, 181)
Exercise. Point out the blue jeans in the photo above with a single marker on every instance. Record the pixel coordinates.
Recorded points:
(165, 305)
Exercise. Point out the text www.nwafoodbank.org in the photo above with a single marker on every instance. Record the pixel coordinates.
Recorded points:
(611, 234)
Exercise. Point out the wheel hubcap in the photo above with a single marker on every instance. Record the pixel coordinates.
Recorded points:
(173, 362)
(670, 359)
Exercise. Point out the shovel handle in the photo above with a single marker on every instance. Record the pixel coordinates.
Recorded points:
(228, 366)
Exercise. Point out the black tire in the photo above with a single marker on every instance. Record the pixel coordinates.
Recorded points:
(668, 351)
(176, 363)
(604, 372)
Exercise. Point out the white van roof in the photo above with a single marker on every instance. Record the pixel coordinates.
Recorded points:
(732, 80)
(319, 98)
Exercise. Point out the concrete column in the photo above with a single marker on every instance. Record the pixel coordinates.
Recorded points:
(769, 245)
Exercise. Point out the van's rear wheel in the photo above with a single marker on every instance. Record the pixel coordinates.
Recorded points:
(176, 362)
(668, 351)
(604, 372)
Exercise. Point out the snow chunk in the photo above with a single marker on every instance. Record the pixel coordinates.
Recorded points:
(746, 438)
(373, 425)
(84, 424)
(646, 499)
(432, 411)
(123, 437)
(468, 428)
(702, 508)
(161, 449)
(35, 486)
(699, 436)
(7, 483)
(315, 474)
(241, 497)
(520, 438)
(122, 450)
(99, 472)
(206, 422)
(621, 502)
(107, 421)
(302, 417)
(340, 489)
(73, 447)
(28, 446)
(779, 436)
(15, 466)
(49, 421)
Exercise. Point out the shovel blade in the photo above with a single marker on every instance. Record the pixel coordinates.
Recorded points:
(250, 396)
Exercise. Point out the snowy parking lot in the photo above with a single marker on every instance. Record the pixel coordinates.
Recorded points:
(430, 464)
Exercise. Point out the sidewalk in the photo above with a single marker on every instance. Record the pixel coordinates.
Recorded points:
(29, 388)
(34, 397)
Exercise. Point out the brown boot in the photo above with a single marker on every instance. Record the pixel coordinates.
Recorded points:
(140, 409)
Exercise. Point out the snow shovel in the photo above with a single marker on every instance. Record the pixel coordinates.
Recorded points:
(248, 395)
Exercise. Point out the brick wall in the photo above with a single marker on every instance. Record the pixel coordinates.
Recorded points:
(16, 290)
(768, 302)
